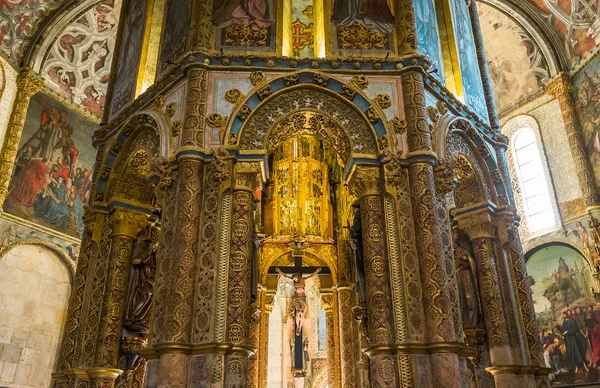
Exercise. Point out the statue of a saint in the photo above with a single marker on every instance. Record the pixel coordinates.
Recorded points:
(141, 283)
(468, 293)
(357, 253)
(299, 296)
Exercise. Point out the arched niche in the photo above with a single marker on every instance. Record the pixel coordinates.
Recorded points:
(362, 120)
(128, 162)
(35, 285)
(455, 138)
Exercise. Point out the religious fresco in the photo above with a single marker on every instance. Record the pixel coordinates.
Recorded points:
(51, 180)
(175, 38)
(245, 25)
(129, 59)
(365, 25)
(567, 312)
(467, 58)
(586, 85)
(517, 67)
(428, 35)
(576, 21)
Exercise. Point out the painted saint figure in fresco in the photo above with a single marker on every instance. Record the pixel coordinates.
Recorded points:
(49, 185)
(375, 15)
(570, 330)
(257, 14)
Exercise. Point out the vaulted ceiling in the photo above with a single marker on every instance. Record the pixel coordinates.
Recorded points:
(70, 42)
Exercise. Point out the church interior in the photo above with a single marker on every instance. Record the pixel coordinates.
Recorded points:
(299, 193)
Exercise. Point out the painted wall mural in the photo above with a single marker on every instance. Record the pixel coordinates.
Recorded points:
(51, 180)
(362, 25)
(245, 25)
(175, 38)
(517, 67)
(587, 102)
(77, 65)
(467, 59)
(428, 34)
(129, 58)
(568, 313)
(19, 22)
(576, 21)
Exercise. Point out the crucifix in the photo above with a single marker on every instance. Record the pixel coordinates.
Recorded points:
(295, 273)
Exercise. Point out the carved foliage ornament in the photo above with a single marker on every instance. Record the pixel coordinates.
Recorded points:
(343, 115)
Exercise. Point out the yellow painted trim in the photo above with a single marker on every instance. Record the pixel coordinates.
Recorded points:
(286, 28)
(319, 29)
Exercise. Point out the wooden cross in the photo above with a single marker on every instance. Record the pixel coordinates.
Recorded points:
(297, 268)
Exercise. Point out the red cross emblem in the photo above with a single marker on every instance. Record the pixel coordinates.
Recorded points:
(301, 36)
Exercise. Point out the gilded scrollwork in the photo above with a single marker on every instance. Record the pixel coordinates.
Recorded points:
(253, 135)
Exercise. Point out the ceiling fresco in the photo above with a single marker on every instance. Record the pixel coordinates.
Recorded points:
(77, 65)
(576, 21)
(19, 23)
(517, 67)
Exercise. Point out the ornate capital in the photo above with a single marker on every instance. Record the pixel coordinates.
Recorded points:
(445, 179)
(28, 83)
(327, 303)
(365, 181)
(477, 224)
(126, 224)
(246, 176)
(560, 86)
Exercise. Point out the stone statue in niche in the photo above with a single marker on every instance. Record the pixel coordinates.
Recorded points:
(466, 279)
(141, 281)
(357, 253)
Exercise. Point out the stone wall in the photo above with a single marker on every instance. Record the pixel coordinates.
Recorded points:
(34, 291)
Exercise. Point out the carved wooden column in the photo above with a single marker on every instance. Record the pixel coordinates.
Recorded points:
(27, 85)
(125, 226)
(480, 228)
(560, 88)
(348, 345)
(68, 361)
(437, 283)
(240, 267)
(367, 184)
(327, 304)
(174, 288)
(509, 236)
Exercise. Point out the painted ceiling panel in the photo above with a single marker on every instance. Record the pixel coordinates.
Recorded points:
(517, 67)
(77, 65)
(20, 21)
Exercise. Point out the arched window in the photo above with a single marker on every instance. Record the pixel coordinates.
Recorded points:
(532, 179)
